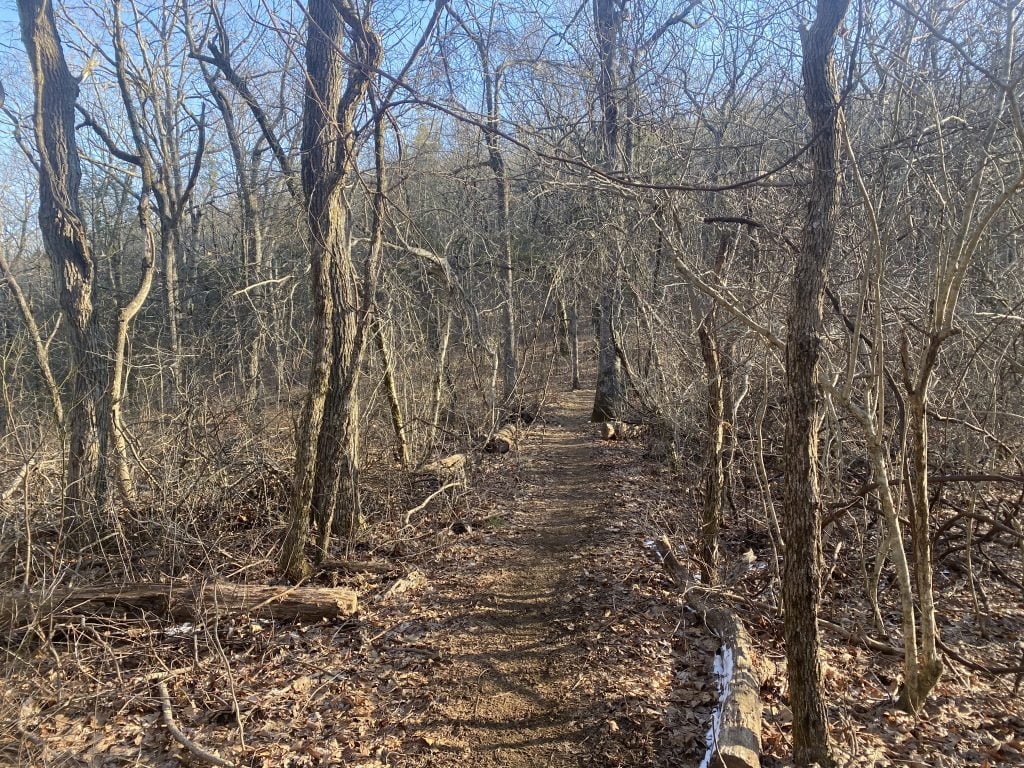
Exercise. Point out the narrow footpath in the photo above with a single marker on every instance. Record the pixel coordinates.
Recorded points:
(559, 647)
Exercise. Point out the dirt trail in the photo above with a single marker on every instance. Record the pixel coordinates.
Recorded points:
(515, 628)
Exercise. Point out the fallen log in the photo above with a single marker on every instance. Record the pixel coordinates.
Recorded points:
(449, 469)
(184, 600)
(621, 430)
(503, 440)
(19, 479)
(734, 740)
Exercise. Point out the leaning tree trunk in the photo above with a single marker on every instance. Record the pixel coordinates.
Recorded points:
(67, 243)
(801, 575)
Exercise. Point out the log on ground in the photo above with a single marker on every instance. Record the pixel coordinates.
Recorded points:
(184, 600)
(503, 440)
(735, 737)
(621, 430)
(443, 471)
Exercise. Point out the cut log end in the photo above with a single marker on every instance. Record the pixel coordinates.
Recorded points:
(620, 430)
(504, 440)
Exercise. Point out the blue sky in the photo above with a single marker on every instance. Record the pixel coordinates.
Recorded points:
(10, 35)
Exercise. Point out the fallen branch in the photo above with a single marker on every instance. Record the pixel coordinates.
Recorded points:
(861, 637)
(976, 667)
(423, 504)
(453, 466)
(356, 566)
(412, 580)
(18, 480)
(893, 650)
(194, 749)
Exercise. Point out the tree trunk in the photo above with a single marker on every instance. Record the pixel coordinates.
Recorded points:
(717, 414)
(336, 505)
(439, 380)
(574, 347)
(324, 213)
(326, 462)
(610, 390)
(42, 355)
(801, 575)
(391, 389)
(169, 265)
(930, 665)
(67, 243)
(714, 469)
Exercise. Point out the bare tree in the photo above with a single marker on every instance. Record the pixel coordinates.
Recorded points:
(610, 387)
(801, 574)
(326, 466)
(68, 245)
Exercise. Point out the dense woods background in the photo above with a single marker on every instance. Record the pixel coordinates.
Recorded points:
(264, 264)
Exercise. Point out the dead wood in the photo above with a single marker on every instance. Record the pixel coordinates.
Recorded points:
(445, 469)
(503, 440)
(18, 480)
(184, 600)
(357, 566)
(407, 517)
(172, 727)
(451, 470)
(862, 638)
(735, 737)
(892, 650)
(621, 430)
(412, 580)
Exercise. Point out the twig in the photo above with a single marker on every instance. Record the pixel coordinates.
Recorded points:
(194, 749)
(422, 505)
(861, 637)
(975, 666)
(19, 479)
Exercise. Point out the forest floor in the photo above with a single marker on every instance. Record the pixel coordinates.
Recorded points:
(542, 636)
(525, 625)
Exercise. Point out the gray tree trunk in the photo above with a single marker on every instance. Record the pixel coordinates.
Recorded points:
(801, 573)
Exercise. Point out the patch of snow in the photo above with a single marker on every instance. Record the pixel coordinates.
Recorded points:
(724, 668)
(180, 630)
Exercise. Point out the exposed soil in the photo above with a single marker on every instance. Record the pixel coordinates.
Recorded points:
(524, 626)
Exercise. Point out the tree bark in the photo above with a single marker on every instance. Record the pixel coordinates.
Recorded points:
(801, 574)
(42, 355)
(326, 458)
(68, 246)
(610, 390)
(186, 601)
(574, 347)
(391, 389)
